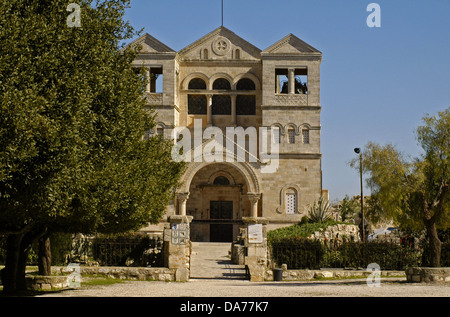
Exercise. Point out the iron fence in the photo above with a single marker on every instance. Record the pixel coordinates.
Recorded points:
(142, 251)
(307, 254)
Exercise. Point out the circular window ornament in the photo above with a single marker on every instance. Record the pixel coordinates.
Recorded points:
(221, 46)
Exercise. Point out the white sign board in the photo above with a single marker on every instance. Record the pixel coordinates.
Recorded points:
(255, 233)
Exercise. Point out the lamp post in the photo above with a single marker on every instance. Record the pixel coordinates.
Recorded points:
(358, 151)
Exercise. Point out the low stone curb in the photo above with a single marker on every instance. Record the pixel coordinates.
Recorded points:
(428, 274)
(301, 275)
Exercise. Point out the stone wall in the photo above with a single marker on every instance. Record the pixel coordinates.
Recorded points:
(427, 274)
(46, 283)
(61, 279)
(338, 231)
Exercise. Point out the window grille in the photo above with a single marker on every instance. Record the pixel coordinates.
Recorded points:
(276, 136)
(305, 136)
(245, 105)
(291, 136)
(291, 203)
(197, 104)
(245, 84)
(221, 84)
(197, 83)
(221, 105)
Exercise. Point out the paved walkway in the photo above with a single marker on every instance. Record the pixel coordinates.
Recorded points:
(210, 260)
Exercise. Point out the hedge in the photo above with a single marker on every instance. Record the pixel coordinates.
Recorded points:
(301, 253)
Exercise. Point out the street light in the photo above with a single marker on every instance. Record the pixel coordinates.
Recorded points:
(358, 151)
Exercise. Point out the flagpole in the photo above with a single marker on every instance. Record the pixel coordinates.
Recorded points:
(222, 12)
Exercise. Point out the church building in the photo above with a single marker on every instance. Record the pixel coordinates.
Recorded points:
(223, 81)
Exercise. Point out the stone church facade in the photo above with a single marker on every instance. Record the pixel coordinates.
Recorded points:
(221, 80)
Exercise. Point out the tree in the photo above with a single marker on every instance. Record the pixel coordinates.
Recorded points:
(72, 120)
(414, 193)
(348, 208)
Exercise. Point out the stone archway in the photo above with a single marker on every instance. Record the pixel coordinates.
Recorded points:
(218, 195)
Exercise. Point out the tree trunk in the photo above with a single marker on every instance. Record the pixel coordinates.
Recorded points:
(17, 247)
(44, 256)
(13, 275)
(434, 244)
(9, 273)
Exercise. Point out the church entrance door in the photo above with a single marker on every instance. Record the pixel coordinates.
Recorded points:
(221, 230)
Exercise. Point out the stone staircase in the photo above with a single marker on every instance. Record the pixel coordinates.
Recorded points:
(211, 260)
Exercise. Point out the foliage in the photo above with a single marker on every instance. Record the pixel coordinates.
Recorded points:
(302, 230)
(297, 253)
(301, 253)
(413, 193)
(320, 211)
(72, 117)
(349, 208)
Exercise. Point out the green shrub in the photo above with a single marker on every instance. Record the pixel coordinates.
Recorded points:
(297, 253)
(302, 253)
(302, 230)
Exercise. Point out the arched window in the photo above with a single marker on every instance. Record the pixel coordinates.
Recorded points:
(245, 84)
(197, 83)
(291, 201)
(305, 136)
(237, 54)
(221, 180)
(245, 104)
(221, 84)
(205, 53)
(276, 135)
(291, 135)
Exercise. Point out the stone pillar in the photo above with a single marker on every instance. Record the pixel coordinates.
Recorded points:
(233, 110)
(291, 80)
(254, 198)
(209, 121)
(147, 80)
(256, 244)
(182, 199)
(177, 246)
(277, 84)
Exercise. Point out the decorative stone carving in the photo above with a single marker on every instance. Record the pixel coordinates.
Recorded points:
(221, 46)
(290, 100)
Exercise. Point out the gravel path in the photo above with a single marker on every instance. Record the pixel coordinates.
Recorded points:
(389, 287)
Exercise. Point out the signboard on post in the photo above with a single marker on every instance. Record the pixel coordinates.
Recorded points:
(180, 233)
(254, 233)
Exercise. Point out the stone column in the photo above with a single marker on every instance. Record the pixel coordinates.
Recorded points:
(209, 110)
(291, 80)
(147, 80)
(277, 84)
(254, 198)
(182, 199)
(233, 110)
(177, 246)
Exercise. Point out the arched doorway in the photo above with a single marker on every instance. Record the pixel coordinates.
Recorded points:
(218, 199)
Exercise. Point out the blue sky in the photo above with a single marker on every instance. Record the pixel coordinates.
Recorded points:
(376, 83)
